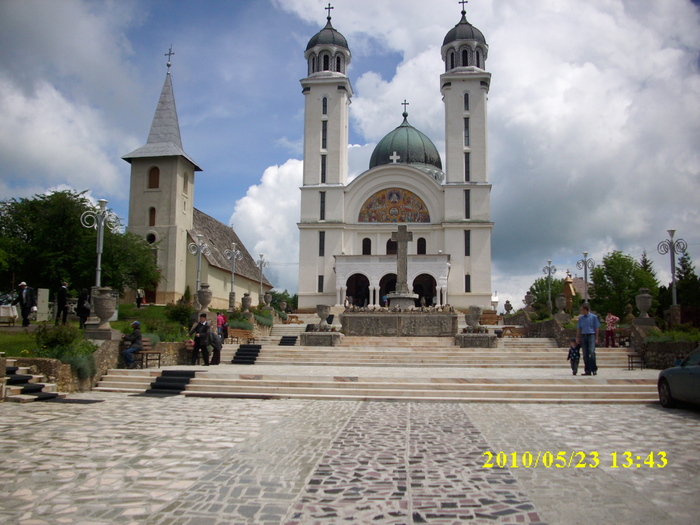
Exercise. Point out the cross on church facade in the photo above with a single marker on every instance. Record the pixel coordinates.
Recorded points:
(395, 157)
(402, 238)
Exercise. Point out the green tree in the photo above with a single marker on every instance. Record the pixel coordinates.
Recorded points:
(45, 243)
(283, 296)
(539, 290)
(687, 282)
(617, 281)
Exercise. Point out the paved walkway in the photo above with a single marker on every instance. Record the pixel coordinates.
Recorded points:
(200, 461)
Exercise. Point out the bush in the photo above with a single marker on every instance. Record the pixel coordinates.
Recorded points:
(179, 313)
(56, 336)
(680, 333)
(83, 365)
(240, 325)
(263, 320)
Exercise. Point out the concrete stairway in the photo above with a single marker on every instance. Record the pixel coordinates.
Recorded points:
(21, 386)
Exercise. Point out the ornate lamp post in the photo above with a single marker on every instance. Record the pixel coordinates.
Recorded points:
(261, 263)
(98, 219)
(585, 264)
(198, 248)
(233, 255)
(548, 271)
(672, 247)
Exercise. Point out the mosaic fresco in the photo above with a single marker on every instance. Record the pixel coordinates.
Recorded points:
(394, 205)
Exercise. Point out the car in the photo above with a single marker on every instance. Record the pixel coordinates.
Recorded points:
(681, 383)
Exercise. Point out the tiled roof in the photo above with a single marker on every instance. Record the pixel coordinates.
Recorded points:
(219, 238)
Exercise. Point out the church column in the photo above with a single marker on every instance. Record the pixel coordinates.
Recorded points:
(338, 295)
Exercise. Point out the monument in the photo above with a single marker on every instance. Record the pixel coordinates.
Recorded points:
(402, 297)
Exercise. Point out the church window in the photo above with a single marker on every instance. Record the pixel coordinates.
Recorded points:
(151, 238)
(467, 210)
(151, 216)
(467, 167)
(466, 102)
(324, 134)
(153, 178)
(186, 184)
(421, 246)
(391, 247)
(321, 244)
(465, 57)
(466, 132)
(478, 58)
(467, 243)
(468, 283)
(320, 284)
(324, 104)
(326, 62)
(452, 59)
(366, 246)
(337, 65)
(322, 206)
(323, 169)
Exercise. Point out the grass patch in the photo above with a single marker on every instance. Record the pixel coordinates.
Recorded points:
(13, 343)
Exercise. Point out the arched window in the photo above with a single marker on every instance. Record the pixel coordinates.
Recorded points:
(151, 216)
(466, 102)
(326, 62)
(337, 65)
(478, 58)
(153, 178)
(452, 59)
(391, 247)
(465, 58)
(324, 105)
(421, 246)
(366, 246)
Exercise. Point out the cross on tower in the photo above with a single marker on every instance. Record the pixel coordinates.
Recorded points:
(404, 104)
(329, 10)
(402, 238)
(394, 158)
(463, 2)
(169, 54)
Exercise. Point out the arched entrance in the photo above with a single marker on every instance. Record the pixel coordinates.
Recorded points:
(425, 286)
(358, 289)
(387, 284)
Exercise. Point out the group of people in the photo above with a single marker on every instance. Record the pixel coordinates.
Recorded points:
(27, 301)
(587, 330)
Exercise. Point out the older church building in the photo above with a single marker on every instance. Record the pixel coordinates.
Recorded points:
(346, 251)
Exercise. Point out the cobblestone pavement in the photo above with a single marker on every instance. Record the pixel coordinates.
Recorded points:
(199, 461)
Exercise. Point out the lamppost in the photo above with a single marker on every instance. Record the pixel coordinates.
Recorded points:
(585, 264)
(98, 219)
(198, 248)
(261, 263)
(233, 255)
(548, 271)
(678, 246)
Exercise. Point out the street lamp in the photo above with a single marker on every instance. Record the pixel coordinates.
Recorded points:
(98, 219)
(585, 264)
(261, 263)
(198, 248)
(548, 271)
(678, 246)
(233, 255)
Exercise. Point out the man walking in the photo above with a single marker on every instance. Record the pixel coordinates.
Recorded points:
(200, 340)
(587, 335)
(62, 303)
(27, 302)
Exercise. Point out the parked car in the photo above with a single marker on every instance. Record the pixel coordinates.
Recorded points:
(681, 383)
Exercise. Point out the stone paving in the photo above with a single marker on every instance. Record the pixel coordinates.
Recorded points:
(200, 461)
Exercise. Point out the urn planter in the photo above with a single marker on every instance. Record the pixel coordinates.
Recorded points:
(204, 294)
(323, 311)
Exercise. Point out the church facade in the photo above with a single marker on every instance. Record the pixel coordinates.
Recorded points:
(161, 211)
(346, 252)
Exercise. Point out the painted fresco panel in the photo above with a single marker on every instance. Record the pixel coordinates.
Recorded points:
(394, 205)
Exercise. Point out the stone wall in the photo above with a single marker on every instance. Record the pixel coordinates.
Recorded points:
(663, 355)
(399, 324)
(476, 340)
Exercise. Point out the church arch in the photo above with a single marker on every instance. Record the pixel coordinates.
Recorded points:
(387, 284)
(465, 57)
(154, 178)
(421, 246)
(426, 287)
(338, 64)
(326, 62)
(358, 289)
(394, 205)
(366, 246)
(391, 247)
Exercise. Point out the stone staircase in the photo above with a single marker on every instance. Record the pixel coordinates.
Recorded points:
(367, 382)
(21, 386)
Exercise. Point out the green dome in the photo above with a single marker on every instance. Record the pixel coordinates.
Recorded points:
(464, 31)
(411, 146)
(328, 36)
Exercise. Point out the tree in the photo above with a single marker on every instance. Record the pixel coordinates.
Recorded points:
(283, 296)
(540, 293)
(45, 243)
(617, 281)
(687, 282)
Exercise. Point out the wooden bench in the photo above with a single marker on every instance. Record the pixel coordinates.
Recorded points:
(634, 358)
(147, 354)
(513, 331)
(490, 318)
(237, 335)
(292, 319)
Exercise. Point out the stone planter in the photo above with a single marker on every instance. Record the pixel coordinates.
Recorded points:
(560, 301)
(246, 302)
(104, 307)
(476, 340)
(267, 298)
(283, 305)
(643, 300)
(474, 315)
(204, 294)
(323, 311)
(321, 338)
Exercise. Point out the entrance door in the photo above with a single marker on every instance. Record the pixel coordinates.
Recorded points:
(358, 289)
(425, 286)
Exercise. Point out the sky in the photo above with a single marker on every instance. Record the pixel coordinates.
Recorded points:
(594, 112)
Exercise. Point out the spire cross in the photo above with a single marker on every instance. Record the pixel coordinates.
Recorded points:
(169, 54)
(463, 2)
(404, 104)
(329, 10)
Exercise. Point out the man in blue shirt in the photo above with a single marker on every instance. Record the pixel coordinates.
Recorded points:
(586, 335)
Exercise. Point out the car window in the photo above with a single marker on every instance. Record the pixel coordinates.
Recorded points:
(693, 359)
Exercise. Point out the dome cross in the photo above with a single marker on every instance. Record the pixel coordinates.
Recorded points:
(395, 158)
(169, 54)
(329, 10)
(463, 2)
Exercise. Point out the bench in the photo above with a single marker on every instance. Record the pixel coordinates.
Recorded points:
(490, 318)
(634, 358)
(8, 315)
(513, 331)
(147, 354)
(292, 319)
(237, 335)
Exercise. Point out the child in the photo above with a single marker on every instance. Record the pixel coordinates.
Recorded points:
(574, 355)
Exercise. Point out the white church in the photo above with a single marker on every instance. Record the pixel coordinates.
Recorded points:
(346, 254)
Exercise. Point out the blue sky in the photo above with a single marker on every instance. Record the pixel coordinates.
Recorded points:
(594, 121)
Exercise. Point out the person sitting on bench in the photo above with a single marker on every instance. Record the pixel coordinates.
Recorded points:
(136, 345)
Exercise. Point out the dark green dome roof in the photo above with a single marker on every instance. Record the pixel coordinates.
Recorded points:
(464, 31)
(328, 36)
(411, 146)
